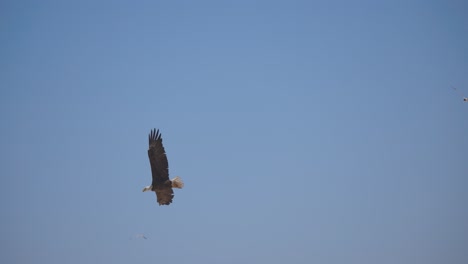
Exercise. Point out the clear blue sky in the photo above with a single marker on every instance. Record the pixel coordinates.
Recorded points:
(305, 131)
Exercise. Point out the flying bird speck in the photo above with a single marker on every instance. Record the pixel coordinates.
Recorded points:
(465, 99)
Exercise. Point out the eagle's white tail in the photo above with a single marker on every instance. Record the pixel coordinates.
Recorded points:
(177, 183)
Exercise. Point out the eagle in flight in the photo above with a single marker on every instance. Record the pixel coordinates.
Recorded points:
(160, 171)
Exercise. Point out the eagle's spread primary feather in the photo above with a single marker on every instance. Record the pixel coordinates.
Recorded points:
(160, 171)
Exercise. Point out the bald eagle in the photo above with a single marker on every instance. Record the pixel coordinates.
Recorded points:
(160, 171)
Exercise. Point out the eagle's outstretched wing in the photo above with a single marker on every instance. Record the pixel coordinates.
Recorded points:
(158, 158)
(159, 169)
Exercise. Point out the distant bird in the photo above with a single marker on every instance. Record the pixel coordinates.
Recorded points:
(138, 236)
(160, 171)
(465, 99)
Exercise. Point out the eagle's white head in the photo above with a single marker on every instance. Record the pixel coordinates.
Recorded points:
(148, 188)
